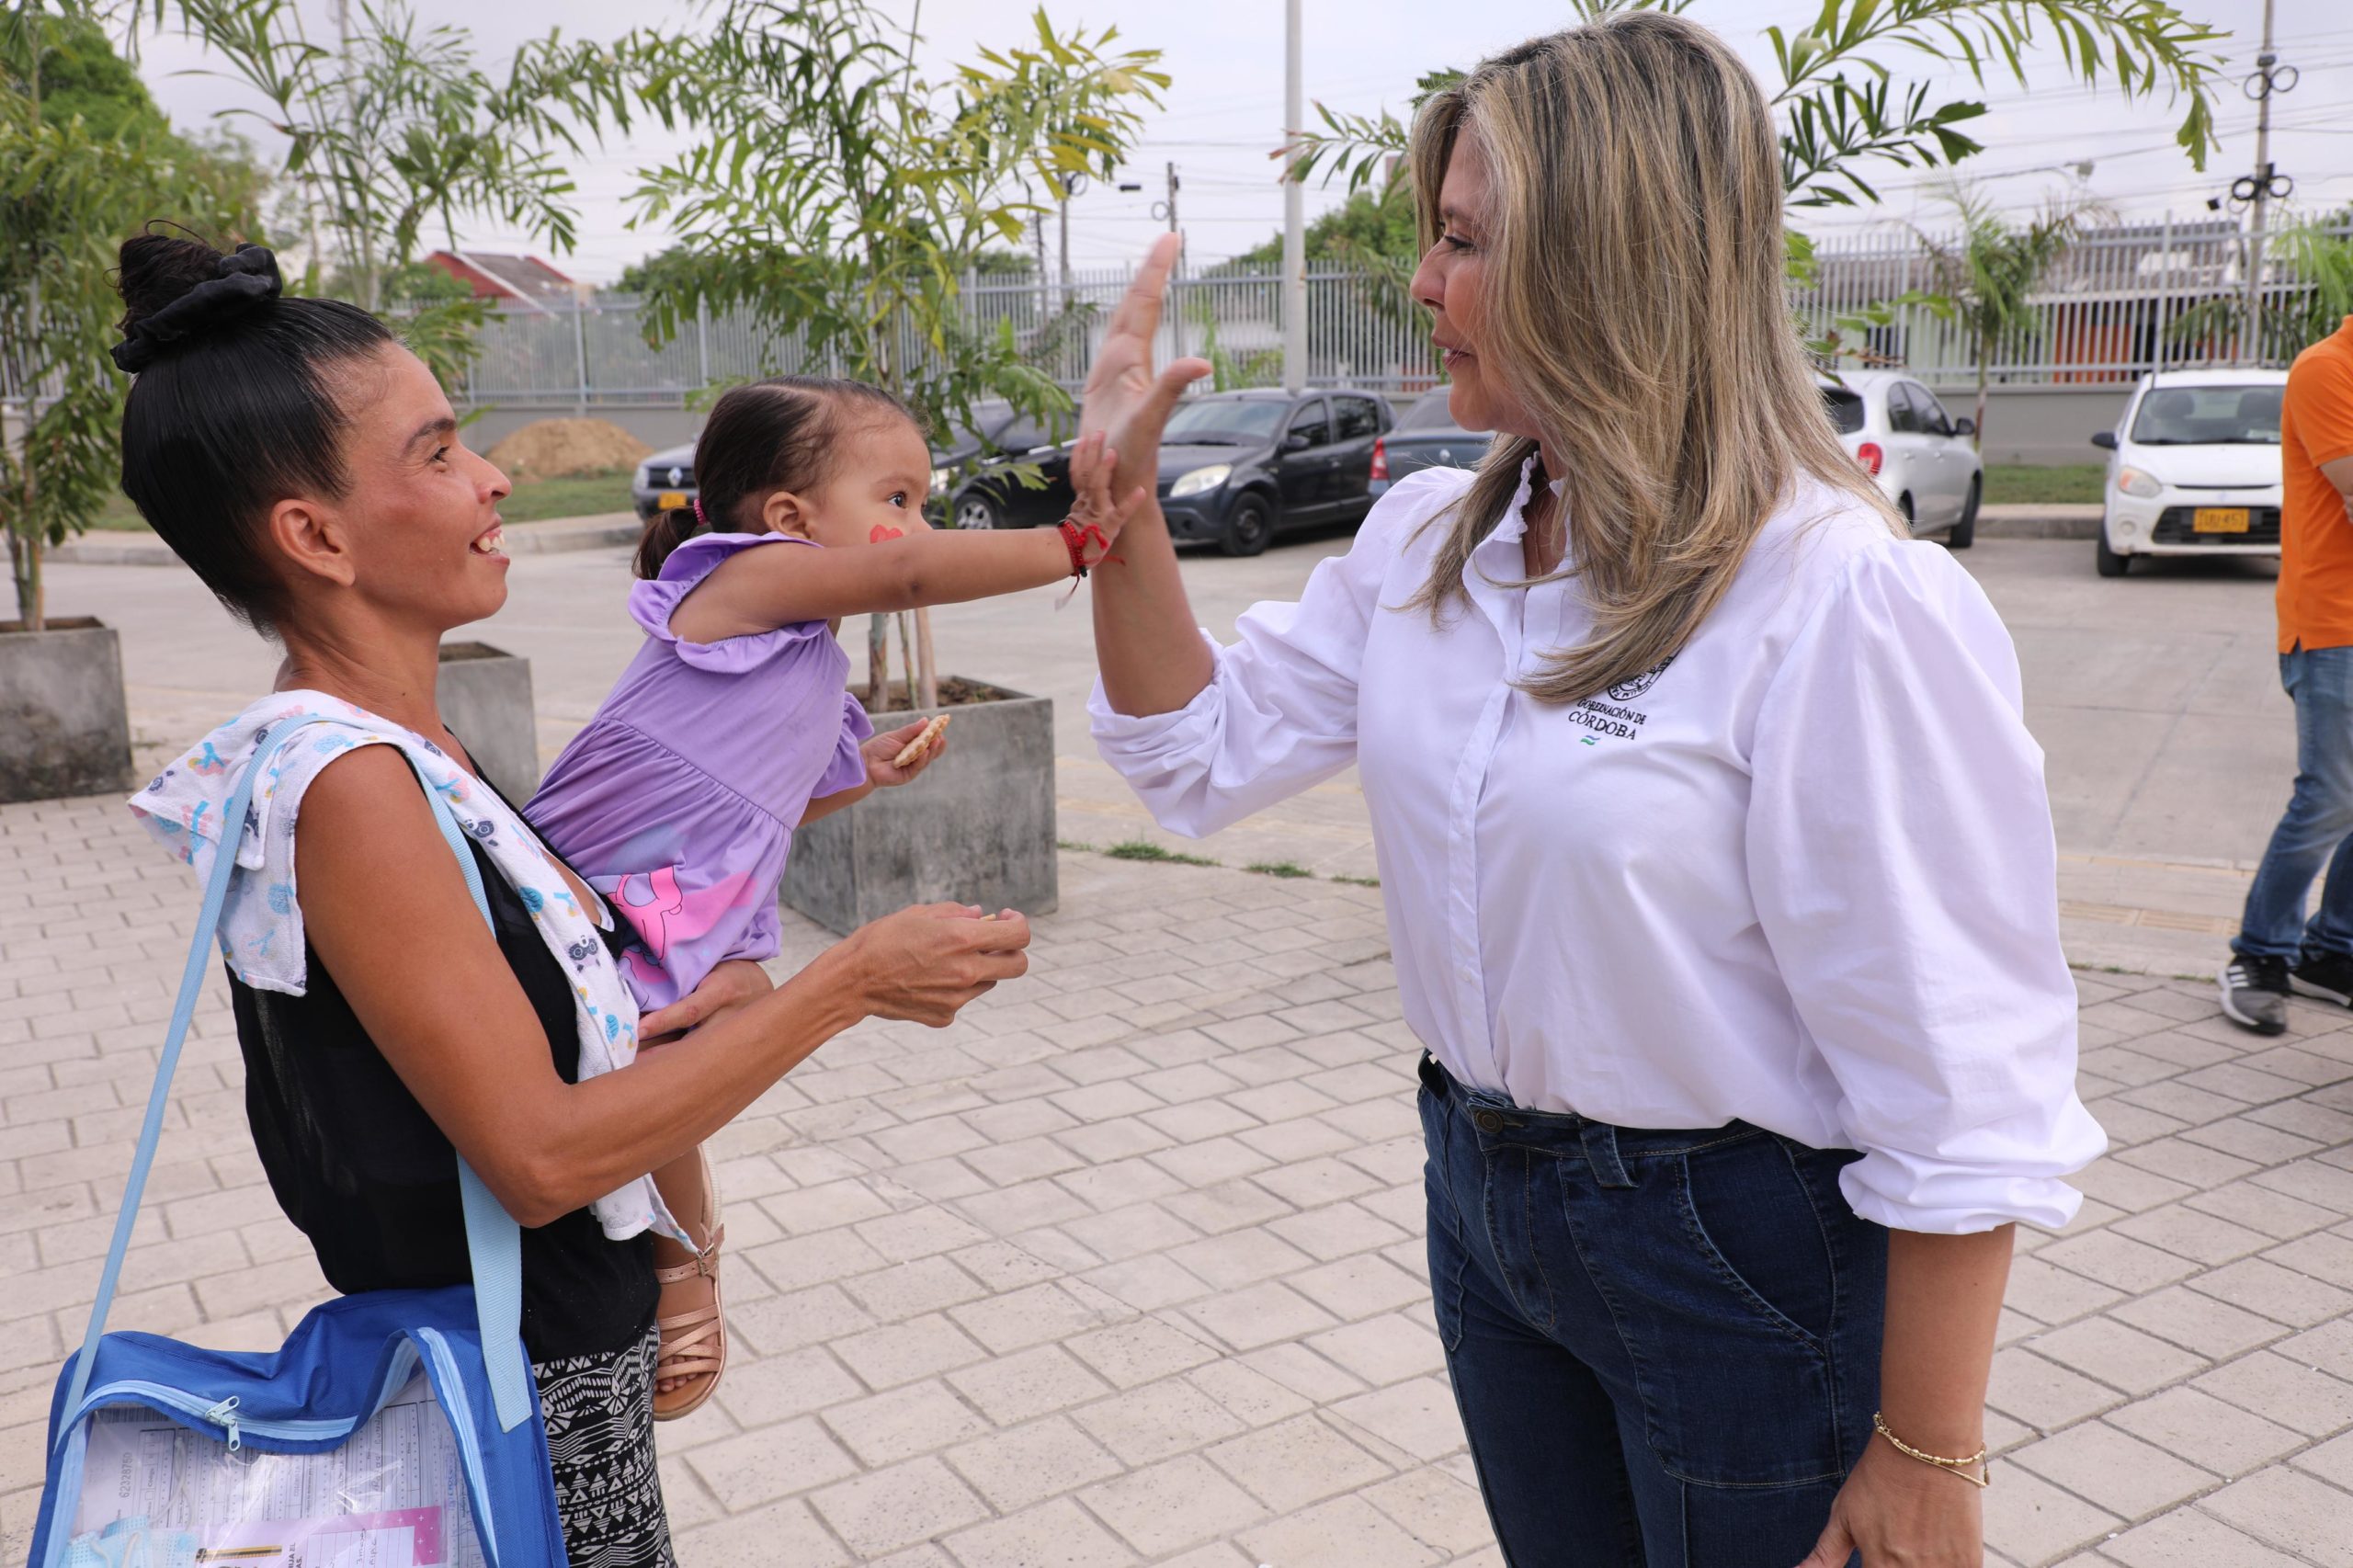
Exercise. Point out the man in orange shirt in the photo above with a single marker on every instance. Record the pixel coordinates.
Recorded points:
(2277, 949)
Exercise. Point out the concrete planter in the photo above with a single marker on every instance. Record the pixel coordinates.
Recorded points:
(978, 827)
(485, 698)
(63, 726)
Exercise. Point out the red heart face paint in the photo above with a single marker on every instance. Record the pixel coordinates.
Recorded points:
(882, 531)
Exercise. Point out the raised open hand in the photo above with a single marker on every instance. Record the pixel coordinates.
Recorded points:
(1124, 400)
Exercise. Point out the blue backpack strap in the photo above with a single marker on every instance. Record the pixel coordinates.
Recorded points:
(199, 961)
(492, 1238)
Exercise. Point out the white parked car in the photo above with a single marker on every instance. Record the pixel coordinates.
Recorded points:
(2193, 468)
(1920, 455)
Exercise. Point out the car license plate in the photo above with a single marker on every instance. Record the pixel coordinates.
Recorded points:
(2218, 520)
(676, 500)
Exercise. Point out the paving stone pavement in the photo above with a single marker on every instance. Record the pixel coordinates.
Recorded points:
(1125, 1268)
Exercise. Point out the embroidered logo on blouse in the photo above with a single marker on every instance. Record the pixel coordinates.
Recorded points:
(1614, 719)
(1627, 690)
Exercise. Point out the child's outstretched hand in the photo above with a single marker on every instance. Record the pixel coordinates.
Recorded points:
(1094, 513)
(883, 768)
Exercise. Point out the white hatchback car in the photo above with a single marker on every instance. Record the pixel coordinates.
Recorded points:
(2193, 468)
(1920, 455)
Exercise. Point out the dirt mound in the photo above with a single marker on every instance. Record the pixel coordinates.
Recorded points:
(551, 448)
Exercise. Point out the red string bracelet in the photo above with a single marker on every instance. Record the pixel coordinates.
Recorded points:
(1078, 535)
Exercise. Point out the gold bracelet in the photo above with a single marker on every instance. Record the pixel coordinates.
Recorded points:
(1984, 1477)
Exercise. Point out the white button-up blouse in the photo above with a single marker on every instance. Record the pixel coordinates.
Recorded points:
(1802, 874)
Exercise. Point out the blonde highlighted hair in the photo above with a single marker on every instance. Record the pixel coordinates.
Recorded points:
(1635, 308)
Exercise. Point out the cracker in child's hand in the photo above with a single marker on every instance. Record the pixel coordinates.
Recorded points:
(921, 743)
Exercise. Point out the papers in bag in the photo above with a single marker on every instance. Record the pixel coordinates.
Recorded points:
(155, 1495)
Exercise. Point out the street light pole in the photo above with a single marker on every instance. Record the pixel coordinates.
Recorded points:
(1294, 211)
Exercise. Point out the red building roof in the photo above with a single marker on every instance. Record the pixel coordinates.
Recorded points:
(524, 280)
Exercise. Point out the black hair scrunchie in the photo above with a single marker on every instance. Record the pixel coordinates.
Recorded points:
(247, 279)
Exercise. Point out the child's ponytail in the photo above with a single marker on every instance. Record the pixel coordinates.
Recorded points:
(664, 531)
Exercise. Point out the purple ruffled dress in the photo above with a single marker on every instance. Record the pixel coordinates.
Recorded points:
(677, 802)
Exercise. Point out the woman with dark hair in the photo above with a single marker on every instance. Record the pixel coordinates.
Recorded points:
(1717, 857)
(309, 468)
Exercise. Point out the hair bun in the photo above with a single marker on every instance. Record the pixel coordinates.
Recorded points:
(247, 278)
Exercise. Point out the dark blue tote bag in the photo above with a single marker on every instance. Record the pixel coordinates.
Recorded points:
(394, 1429)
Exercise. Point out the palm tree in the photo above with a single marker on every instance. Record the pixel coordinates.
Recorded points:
(2316, 262)
(2320, 256)
(1985, 272)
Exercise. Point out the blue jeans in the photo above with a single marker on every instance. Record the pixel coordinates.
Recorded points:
(2318, 829)
(1664, 1344)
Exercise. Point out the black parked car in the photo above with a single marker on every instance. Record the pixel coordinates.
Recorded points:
(1426, 437)
(1234, 468)
(996, 432)
(667, 478)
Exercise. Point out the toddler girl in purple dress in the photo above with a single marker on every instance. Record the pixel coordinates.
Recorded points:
(733, 725)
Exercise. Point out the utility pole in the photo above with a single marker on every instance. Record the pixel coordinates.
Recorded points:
(362, 265)
(1066, 185)
(1045, 305)
(2268, 81)
(1063, 209)
(1294, 211)
(1177, 304)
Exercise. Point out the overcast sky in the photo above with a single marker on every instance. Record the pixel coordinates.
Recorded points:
(1226, 107)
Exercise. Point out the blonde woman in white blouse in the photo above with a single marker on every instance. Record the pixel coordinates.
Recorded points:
(1717, 862)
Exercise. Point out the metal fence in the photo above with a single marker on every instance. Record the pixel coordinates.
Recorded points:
(597, 357)
(2111, 308)
(2117, 303)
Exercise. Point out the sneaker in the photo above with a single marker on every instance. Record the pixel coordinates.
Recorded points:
(2328, 976)
(2255, 993)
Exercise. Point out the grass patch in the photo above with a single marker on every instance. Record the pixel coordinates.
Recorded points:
(1144, 849)
(118, 516)
(534, 501)
(580, 495)
(2010, 483)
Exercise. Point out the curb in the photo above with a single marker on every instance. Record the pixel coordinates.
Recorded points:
(109, 549)
(2035, 519)
(601, 531)
(608, 530)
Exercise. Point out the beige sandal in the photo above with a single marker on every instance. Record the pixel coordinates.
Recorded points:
(694, 1344)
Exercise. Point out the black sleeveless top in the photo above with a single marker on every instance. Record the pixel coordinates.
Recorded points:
(363, 1172)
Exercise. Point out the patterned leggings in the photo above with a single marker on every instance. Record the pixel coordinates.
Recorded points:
(599, 1415)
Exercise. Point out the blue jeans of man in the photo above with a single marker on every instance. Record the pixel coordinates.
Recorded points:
(1664, 1344)
(2317, 831)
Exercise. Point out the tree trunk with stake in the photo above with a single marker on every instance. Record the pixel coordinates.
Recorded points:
(926, 686)
(1984, 355)
(24, 542)
(923, 678)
